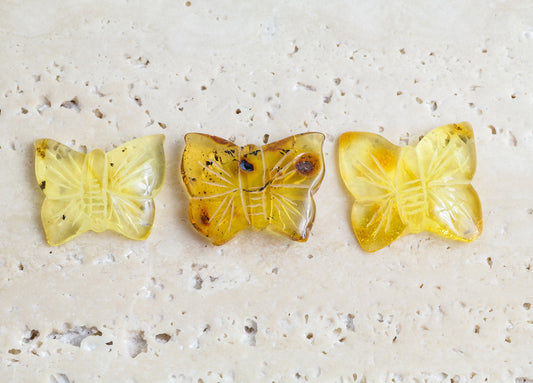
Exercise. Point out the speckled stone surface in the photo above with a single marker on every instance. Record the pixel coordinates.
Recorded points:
(174, 308)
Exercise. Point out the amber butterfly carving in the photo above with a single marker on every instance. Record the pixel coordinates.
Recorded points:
(407, 190)
(99, 191)
(233, 187)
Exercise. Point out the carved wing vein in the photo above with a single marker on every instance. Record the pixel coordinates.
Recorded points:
(218, 208)
(454, 209)
(221, 169)
(125, 164)
(377, 180)
(436, 162)
(282, 200)
(214, 195)
(230, 202)
(218, 175)
(280, 162)
(281, 208)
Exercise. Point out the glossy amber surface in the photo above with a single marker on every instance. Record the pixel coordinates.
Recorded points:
(99, 191)
(411, 189)
(233, 187)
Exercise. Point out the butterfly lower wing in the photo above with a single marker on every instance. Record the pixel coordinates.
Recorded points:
(455, 212)
(219, 218)
(294, 171)
(135, 175)
(63, 220)
(368, 166)
(210, 170)
(447, 159)
(58, 169)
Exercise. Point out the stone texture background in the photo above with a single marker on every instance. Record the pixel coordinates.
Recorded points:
(101, 308)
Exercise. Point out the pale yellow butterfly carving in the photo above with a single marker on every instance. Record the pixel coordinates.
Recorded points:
(99, 191)
(407, 190)
(234, 187)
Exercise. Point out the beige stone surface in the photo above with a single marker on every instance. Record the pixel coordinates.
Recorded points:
(101, 308)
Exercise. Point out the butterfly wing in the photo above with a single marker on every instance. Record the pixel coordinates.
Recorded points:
(294, 169)
(59, 174)
(135, 174)
(210, 170)
(447, 159)
(368, 166)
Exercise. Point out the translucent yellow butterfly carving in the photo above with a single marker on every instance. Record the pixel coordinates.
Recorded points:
(234, 187)
(411, 189)
(99, 191)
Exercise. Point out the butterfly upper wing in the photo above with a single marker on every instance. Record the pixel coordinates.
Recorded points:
(294, 170)
(447, 159)
(368, 166)
(59, 174)
(135, 174)
(210, 170)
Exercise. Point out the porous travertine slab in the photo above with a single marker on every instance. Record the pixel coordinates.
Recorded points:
(174, 308)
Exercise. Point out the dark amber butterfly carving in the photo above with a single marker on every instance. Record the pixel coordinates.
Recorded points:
(233, 187)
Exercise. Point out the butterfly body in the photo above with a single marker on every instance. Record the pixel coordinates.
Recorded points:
(99, 191)
(235, 187)
(411, 189)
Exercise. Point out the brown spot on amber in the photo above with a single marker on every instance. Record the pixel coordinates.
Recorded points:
(306, 164)
(204, 217)
(42, 185)
(41, 150)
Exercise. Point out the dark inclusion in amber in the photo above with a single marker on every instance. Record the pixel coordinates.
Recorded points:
(234, 187)
(411, 189)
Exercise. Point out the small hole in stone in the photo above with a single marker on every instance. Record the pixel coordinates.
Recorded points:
(513, 96)
(198, 282)
(399, 93)
(402, 51)
(72, 104)
(44, 105)
(23, 110)
(492, 129)
(527, 305)
(237, 111)
(162, 338)
(187, 3)
(309, 335)
(203, 87)
(266, 138)
(162, 125)
(419, 100)
(98, 114)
